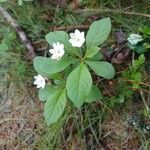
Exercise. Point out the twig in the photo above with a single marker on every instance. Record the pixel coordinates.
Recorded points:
(112, 11)
(119, 50)
(71, 27)
(144, 90)
(23, 37)
(133, 57)
(105, 106)
(144, 101)
(142, 83)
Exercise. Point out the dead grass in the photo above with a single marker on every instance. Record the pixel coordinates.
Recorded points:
(119, 135)
(20, 118)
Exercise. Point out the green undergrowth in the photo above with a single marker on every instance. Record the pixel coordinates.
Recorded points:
(13, 57)
(82, 128)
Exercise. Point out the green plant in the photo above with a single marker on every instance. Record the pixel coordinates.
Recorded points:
(1, 1)
(134, 73)
(20, 2)
(68, 69)
(142, 43)
(123, 93)
(11, 60)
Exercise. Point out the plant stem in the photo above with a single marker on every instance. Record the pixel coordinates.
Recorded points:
(144, 101)
(113, 11)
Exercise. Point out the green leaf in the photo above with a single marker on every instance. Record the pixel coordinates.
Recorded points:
(137, 77)
(47, 91)
(145, 30)
(20, 2)
(94, 95)
(79, 84)
(55, 106)
(98, 32)
(92, 51)
(61, 37)
(1, 1)
(57, 36)
(48, 66)
(146, 45)
(121, 98)
(102, 68)
(96, 57)
(137, 64)
(139, 48)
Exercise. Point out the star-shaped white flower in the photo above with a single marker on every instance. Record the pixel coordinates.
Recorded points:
(77, 38)
(57, 51)
(134, 38)
(39, 81)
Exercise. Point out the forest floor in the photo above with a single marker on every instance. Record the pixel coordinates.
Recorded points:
(121, 120)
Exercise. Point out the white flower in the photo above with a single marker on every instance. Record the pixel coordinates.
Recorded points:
(57, 51)
(39, 81)
(134, 38)
(77, 38)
